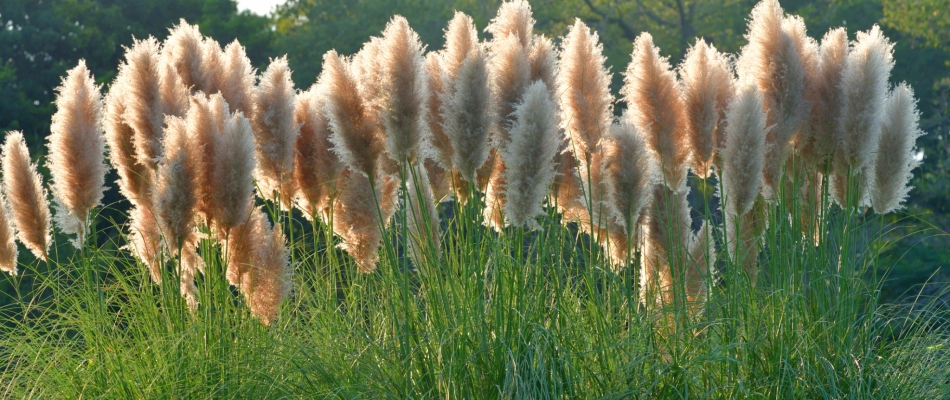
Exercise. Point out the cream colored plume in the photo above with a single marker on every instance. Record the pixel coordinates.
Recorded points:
(275, 131)
(404, 91)
(232, 177)
(316, 167)
(76, 148)
(513, 18)
(529, 157)
(629, 172)
(8, 249)
(707, 89)
(510, 75)
(145, 240)
(354, 132)
(23, 188)
(743, 157)
(584, 87)
(895, 151)
(774, 62)
(235, 79)
(205, 121)
(543, 61)
(825, 90)
(466, 109)
(656, 108)
(441, 150)
(176, 186)
(134, 178)
(864, 85)
(141, 79)
(185, 51)
(271, 276)
(356, 219)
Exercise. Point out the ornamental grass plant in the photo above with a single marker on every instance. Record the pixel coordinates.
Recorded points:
(473, 222)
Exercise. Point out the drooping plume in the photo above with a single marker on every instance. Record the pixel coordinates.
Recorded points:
(825, 89)
(404, 92)
(23, 188)
(8, 249)
(316, 167)
(864, 86)
(529, 157)
(652, 93)
(76, 148)
(773, 61)
(707, 89)
(275, 131)
(895, 152)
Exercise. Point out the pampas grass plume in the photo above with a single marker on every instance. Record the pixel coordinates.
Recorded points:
(232, 179)
(235, 79)
(529, 157)
(466, 109)
(707, 89)
(652, 93)
(23, 188)
(270, 274)
(513, 18)
(175, 190)
(184, 50)
(8, 248)
(275, 130)
(76, 148)
(584, 86)
(353, 130)
(404, 91)
(895, 152)
(629, 173)
(744, 152)
(133, 177)
(826, 91)
(142, 81)
(316, 167)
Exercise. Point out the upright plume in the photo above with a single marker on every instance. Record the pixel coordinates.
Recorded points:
(707, 89)
(76, 148)
(529, 157)
(232, 177)
(23, 188)
(133, 177)
(316, 167)
(403, 92)
(825, 88)
(275, 131)
(235, 79)
(353, 129)
(895, 151)
(185, 52)
(773, 61)
(864, 85)
(652, 93)
(8, 249)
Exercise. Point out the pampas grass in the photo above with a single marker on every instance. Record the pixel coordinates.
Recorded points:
(773, 61)
(23, 188)
(232, 178)
(894, 159)
(235, 79)
(529, 157)
(825, 88)
(76, 148)
(708, 88)
(316, 167)
(185, 51)
(353, 129)
(656, 108)
(404, 92)
(275, 131)
(8, 249)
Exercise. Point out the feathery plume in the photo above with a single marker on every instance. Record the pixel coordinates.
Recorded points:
(23, 188)
(584, 85)
(404, 92)
(175, 189)
(864, 90)
(773, 61)
(707, 89)
(468, 115)
(76, 148)
(356, 220)
(652, 93)
(145, 240)
(353, 129)
(629, 174)
(895, 153)
(510, 75)
(742, 174)
(543, 61)
(567, 191)
(205, 121)
(235, 79)
(232, 177)
(8, 249)
(133, 177)
(513, 18)
(144, 109)
(275, 131)
(184, 50)
(422, 221)
(316, 167)
(529, 157)
(442, 149)
(270, 273)
(825, 86)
